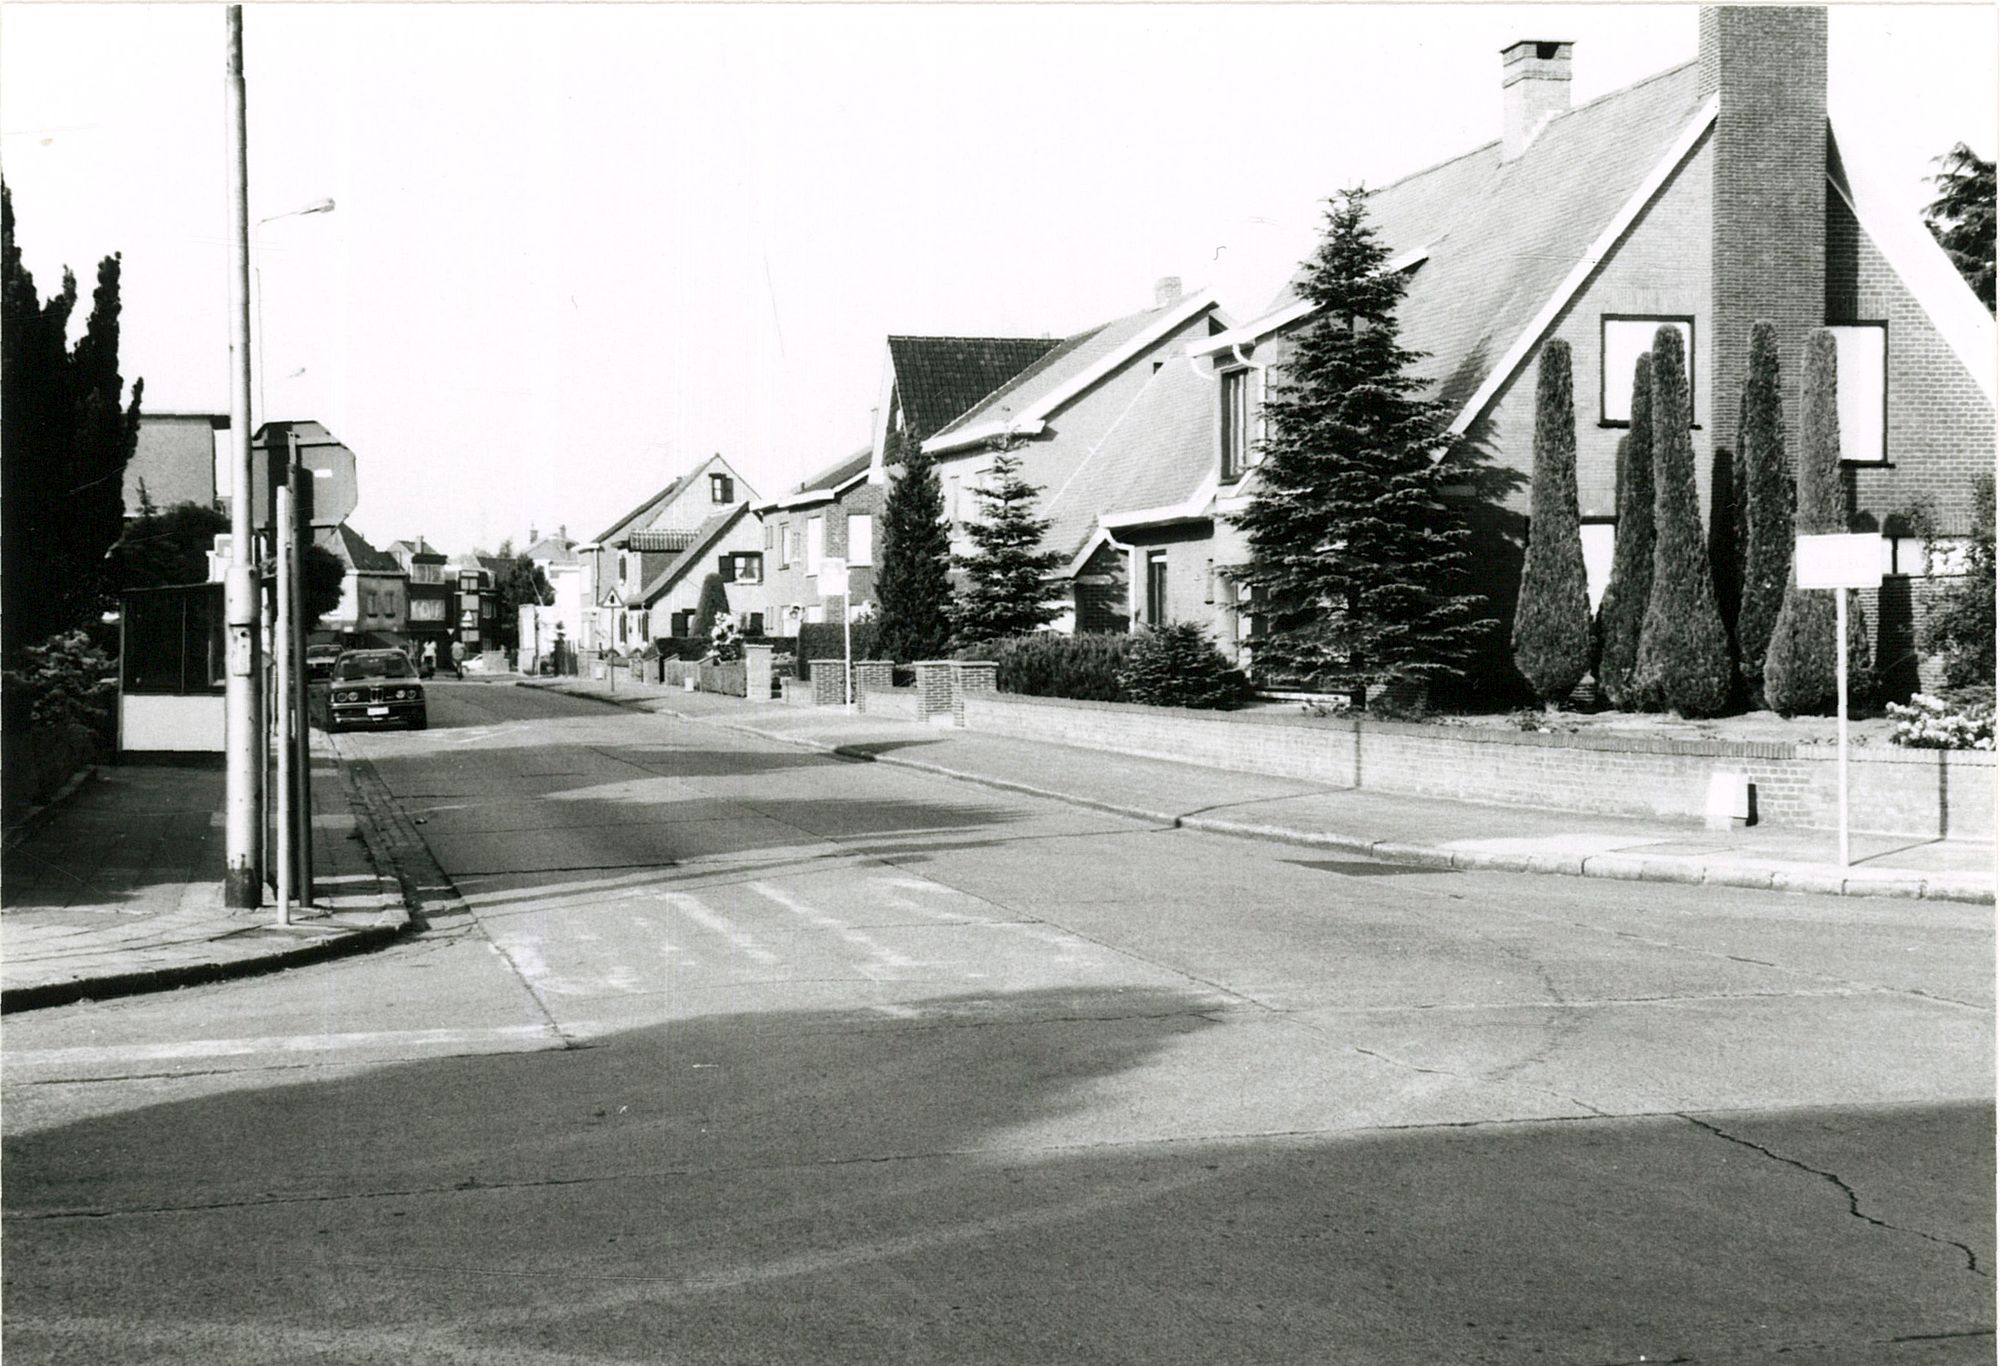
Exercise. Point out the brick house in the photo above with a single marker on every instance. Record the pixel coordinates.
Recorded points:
(638, 553)
(1705, 198)
(428, 614)
(926, 383)
(374, 593)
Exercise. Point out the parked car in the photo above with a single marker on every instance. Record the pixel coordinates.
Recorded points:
(375, 688)
(320, 660)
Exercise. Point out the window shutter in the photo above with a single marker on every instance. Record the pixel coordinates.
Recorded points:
(726, 566)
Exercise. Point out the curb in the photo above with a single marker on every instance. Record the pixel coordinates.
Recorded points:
(1963, 888)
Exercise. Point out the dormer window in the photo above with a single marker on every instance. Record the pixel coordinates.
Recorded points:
(721, 489)
(1242, 403)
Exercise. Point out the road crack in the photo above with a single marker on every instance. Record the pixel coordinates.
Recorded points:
(1853, 1197)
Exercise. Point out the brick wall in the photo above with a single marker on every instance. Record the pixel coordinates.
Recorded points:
(1928, 793)
(1768, 237)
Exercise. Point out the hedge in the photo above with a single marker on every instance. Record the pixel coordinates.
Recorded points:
(1085, 668)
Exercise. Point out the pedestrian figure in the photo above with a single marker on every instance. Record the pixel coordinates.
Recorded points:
(458, 658)
(430, 659)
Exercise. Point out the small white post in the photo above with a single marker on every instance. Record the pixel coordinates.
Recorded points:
(1840, 694)
(847, 644)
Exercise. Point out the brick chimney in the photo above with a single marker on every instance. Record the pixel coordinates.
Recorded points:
(1768, 64)
(1166, 290)
(1534, 88)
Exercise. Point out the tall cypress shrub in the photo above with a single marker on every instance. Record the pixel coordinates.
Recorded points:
(1683, 662)
(1799, 669)
(1623, 611)
(1767, 496)
(1552, 618)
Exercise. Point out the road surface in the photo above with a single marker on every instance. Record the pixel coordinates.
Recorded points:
(729, 1052)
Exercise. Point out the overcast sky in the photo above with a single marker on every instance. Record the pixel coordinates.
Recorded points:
(579, 247)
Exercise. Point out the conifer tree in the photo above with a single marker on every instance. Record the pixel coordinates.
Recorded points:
(913, 583)
(1552, 619)
(1799, 669)
(65, 437)
(1360, 563)
(1683, 662)
(1767, 502)
(713, 602)
(1623, 611)
(1006, 591)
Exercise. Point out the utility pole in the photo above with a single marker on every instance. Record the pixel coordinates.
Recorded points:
(243, 873)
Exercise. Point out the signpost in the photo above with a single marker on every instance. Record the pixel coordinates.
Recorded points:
(1840, 562)
(833, 584)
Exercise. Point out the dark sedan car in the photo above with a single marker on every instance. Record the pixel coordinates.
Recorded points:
(320, 660)
(375, 688)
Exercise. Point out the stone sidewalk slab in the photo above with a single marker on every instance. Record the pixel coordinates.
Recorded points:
(1377, 826)
(117, 889)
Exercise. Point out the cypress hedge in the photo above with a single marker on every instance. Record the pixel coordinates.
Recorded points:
(1683, 662)
(1767, 496)
(1623, 610)
(1045, 664)
(1799, 667)
(1552, 617)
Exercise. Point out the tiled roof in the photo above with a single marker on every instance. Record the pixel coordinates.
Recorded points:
(552, 550)
(1502, 236)
(937, 378)
(833, 476)
(1052, 369)
(704, 537)
(646, 509)
(678, 539)
(1160, 451)
(353, 550)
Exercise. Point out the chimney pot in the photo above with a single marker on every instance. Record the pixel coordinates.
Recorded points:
(1534, 88)
(1166, 290)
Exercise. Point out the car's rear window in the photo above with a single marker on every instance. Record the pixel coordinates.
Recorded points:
(385, 665)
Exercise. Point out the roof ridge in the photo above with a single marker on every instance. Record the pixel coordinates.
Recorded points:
(953, 336)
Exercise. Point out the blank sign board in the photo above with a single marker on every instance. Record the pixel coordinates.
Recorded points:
(1839, 561)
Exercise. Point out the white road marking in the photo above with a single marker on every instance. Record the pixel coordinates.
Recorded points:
(739, 939)
(812, 915)
(192, 1049)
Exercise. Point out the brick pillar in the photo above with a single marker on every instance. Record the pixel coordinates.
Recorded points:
(971, 676)
(871, 675)
(757, 672)
(934, 688)
(1768, 233)
(829, 682)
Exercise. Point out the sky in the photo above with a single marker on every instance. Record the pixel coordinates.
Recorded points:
(576, 249)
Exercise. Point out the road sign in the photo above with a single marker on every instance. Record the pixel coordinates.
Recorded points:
(832, 577)
(1840, 561)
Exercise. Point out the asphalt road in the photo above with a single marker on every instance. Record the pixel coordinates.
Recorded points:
(734, 1053)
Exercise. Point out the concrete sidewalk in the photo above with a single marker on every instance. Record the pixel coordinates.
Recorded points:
(1376, 826)
(117, 889)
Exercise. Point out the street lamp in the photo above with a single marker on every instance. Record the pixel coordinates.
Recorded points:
(317, 206)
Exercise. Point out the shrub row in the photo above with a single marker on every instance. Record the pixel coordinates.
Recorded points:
(1083, 667)
(692, 649)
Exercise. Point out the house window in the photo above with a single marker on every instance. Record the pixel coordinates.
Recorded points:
(721, 489)
(1864, 391)
(860, 539)
(426, 573)
(1156, 588)
(796, 548)
(1599, 540)
(1626, 338)
(1242, 421)
(784, 544)
(753, 624)
(815, 543)
(622, 566)
(951, 511)
(770, 534)
(368, 603)
(744, 567)
(815, 614)
(426, 609)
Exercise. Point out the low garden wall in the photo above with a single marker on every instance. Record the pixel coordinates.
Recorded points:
(727, 679)
(1929, 793)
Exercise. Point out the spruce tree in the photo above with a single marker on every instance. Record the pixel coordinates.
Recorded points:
(1683, 662)
(1799, 669)
(1623, 611)
(1552, 619)
(913, 582)
(1767, 500)
(1006, 591)
(1360, 563)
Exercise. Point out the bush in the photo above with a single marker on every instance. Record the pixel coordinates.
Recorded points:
(1177, 665)
(1623, 611)
(1767, 499)
(1552, 618)
(824, 640)
(65, 681)
(1933, 723)
(1082, 667)
(694, 649)
(1960, 627)
(1683, 662)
